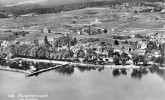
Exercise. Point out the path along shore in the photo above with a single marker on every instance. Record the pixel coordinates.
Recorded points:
(63, 63)
(129, 63)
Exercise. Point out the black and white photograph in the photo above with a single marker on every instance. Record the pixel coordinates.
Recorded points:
(82, 49)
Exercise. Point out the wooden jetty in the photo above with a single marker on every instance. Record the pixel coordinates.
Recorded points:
(44, 70)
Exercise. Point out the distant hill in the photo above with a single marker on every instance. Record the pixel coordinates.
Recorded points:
(133, 0)
(50, 3)
(35, 8)
(20, 7)
(51, 7)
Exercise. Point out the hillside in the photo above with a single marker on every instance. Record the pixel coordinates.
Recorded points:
(52, 7)
(119, 20)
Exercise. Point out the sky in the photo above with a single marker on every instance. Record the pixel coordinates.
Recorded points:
(14, 2)
(17, 2)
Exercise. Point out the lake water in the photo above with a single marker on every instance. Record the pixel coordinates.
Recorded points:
(77, 83)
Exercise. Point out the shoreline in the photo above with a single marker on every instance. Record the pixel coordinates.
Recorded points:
(13, 70)
(128, 66)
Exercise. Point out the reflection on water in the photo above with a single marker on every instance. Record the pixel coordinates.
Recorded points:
(136, 74)
(116, 72)
(69, 70)
(123, 71)
(84, 83)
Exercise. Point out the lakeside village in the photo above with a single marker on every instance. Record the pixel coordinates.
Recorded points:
(145, 53)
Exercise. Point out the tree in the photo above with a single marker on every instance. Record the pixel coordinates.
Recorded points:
(60, 55)
(126, 42)
(139, 58)
(89, 30)
(162, 51)
(116, 53)
(12, 49)
(47, 55)
(99, 31)
(144, 59)
(116, 42)
(116, 60)
(88, 54)
(103, 46)
(68, 54)
(20, 49)
(26, 52)
(73, 41)
(135, 59)
(124, 57)
(42, 52)
(105, 31)
(159, 60)
(33, 51)
(36, 42)
(2, 55)
(46, 40)
(53, 56)
(62, 41)
(150, 46)
(135, 12)
(110, 52)
(81, 53)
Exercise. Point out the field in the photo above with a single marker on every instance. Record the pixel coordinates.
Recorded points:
(117, 21)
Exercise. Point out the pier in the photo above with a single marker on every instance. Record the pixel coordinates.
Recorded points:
(44, 70)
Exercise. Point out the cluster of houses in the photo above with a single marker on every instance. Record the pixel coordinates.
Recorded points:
(46, 30)
(6, 44)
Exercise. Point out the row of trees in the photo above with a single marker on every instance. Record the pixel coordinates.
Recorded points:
(65, 40)
(37, 50)
(121, 37)
(117, 58)
(87, 40)
(21, 33)
(40, 52)
(14, 36)
(9, 37)
(46, 50)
